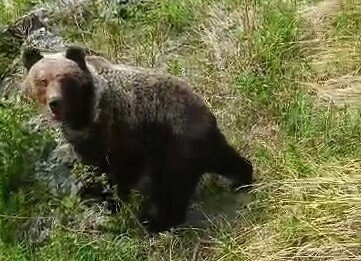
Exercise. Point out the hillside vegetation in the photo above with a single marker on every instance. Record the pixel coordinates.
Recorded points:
(268, 70)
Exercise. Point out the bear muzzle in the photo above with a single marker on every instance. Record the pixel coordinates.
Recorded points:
(54, 105)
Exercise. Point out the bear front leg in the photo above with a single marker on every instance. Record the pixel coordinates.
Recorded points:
(125, 174)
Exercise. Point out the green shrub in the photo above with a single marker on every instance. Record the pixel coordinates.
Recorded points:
(19, 151)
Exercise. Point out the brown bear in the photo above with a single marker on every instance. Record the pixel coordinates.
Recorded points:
(135, 124)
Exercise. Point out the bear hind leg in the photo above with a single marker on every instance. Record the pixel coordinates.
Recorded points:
(167, 207)
(171, 190)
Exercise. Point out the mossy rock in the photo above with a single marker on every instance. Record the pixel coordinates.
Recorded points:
(10, 48)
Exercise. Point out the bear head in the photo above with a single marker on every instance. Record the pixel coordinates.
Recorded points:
(62, 84)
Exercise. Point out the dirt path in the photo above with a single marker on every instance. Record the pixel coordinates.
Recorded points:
(335, 61)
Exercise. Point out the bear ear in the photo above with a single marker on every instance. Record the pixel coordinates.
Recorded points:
(76, 53)
(30, 56)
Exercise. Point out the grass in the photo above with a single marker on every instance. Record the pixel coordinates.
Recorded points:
(250, 60)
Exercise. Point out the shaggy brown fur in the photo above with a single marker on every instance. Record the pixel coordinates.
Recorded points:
(135, 124)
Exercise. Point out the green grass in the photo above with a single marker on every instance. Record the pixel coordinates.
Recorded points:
(250, 62)
(19, 190)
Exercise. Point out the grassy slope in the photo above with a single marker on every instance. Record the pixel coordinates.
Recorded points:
(250, 63)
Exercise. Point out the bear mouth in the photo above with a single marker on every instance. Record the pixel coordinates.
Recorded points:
(56, 115)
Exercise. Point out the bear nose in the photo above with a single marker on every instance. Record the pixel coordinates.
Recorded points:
(54, 104)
